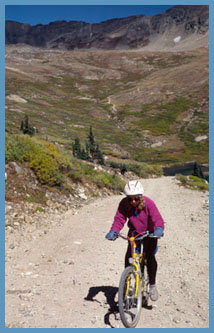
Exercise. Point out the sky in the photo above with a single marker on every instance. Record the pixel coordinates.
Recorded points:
(44, 14)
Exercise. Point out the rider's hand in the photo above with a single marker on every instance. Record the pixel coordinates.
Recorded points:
(158, 232)
(112, 235)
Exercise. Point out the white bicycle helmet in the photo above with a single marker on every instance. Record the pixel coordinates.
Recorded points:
(133, 187)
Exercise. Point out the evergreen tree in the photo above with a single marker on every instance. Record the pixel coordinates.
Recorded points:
(26, 128)
(91, 137)
(87, 147)
(26, 123)
(88, 152)
(99, 155)
(76, 148)
(22, 126)
(91, 152)
(91, 143)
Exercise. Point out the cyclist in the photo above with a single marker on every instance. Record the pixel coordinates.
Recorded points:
(142, 215)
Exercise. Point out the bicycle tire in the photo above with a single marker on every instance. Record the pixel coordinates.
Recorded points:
(128, 298)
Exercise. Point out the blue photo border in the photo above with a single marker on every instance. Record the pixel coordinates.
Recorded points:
(2, 123)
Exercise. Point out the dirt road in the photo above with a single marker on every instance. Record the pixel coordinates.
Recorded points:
(65, 274)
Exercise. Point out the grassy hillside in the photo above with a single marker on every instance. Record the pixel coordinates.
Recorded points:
(145, 107)
(54, 167)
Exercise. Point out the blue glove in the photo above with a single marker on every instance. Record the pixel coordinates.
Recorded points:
(112, 235)
(158, 232)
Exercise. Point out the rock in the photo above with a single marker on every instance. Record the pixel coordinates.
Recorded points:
(176, 320)
(17, 168)
(9, 228)
(201, 138)
(16, 98)
(83, 196)
(49, 203)
(156, 144)
(7, 208)
(28, 219)
(177, 39)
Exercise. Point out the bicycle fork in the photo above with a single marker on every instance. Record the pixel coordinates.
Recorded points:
(138, 271)
(138, 280)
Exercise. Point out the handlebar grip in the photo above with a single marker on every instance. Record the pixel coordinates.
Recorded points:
(153, 236)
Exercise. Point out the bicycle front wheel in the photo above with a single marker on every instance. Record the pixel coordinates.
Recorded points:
(129, 297)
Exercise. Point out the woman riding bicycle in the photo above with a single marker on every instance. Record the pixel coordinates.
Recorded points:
(142, 215)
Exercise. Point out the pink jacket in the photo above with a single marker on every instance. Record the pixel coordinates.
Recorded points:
(138, 221)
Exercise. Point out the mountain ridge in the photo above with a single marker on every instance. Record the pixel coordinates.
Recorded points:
(132, 32)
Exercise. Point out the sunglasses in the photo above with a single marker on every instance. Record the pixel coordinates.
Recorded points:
(137, 198)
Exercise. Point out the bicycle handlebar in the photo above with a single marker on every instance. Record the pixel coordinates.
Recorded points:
(153, 236)
(139, 236)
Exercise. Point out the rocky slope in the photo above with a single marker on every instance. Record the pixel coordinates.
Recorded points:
(181, 27)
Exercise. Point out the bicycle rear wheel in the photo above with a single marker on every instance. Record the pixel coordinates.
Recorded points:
(129, 297)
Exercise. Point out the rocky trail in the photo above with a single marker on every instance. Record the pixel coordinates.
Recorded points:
(64, 274)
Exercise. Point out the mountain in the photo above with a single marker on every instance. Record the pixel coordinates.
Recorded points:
(179, 27)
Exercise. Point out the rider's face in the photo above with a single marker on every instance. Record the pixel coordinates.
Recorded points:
(134, 200)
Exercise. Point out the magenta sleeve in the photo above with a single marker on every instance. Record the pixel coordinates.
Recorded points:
(156, 219)
(120, 217)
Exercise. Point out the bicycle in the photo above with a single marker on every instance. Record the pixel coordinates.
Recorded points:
(134, 283)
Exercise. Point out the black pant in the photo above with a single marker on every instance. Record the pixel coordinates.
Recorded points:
(149, 246)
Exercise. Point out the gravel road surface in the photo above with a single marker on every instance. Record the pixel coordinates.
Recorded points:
(63, 273)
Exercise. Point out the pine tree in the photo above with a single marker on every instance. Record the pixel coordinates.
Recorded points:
(91, 137)
(76, 148)
(91, 143)
(26, 128)
(91, 152)
(88, 152)
(99, 155)
(22, 126)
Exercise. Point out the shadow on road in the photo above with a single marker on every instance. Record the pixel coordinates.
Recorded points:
(110, 293)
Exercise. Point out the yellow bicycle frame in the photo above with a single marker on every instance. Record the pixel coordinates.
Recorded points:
(134, 256)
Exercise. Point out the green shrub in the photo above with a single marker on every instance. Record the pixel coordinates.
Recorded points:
(195, 178)
(144, 170)
(76, 175)
(54, 166)
(193, 182)
(122, 166)
(46, 168)
(104, 180)
(182, 179)
(40, 209)
(42, 158)
(202, 186)
(13, 149)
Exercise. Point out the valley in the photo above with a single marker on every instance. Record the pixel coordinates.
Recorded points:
(160, 98)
